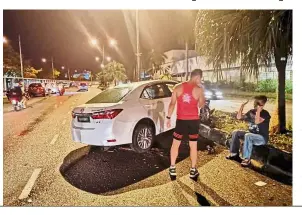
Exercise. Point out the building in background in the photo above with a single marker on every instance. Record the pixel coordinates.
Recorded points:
(176, 65)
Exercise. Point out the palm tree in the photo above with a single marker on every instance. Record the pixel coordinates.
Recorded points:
(113, 72)
(154, 60)
(250, 37)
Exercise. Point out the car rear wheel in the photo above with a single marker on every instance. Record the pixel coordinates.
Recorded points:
(143, 138)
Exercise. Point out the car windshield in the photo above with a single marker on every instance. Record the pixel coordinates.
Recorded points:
(36, 85)
(111, 95)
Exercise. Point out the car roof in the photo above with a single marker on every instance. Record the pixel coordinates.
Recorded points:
(143, 83)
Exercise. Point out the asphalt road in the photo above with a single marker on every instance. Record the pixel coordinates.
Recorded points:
(38, 138)
(233, 104)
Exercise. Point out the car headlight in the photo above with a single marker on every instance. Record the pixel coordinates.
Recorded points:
(208, 93)
(14, 102)
(218, 93)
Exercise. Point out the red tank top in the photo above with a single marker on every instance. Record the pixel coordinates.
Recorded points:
(187, 105)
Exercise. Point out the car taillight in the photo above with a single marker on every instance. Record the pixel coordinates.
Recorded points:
(73, 114)
(107, 114)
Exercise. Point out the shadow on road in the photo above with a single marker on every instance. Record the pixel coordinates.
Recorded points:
(113, 171)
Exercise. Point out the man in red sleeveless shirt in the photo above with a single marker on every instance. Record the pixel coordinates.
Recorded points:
(189, 96)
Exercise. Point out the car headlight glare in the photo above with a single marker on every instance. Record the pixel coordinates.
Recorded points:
(208, 93)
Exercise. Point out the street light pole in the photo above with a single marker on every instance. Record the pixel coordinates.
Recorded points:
(53, 71)
(137, 45)
(68, 74)
(103, 54)
(21, 60)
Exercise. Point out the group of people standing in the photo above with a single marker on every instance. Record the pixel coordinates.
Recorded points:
(189, 98)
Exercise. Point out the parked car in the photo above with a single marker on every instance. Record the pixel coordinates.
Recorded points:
(54, 89)
(83, 87)
(36, 89)
(212, 92)
(129, 113)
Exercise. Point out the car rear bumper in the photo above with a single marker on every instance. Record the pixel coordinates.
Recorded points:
(93, 136)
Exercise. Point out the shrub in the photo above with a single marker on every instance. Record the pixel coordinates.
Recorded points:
(268, 85)
(289, 86)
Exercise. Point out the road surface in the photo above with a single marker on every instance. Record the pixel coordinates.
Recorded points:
(38, 144)
(233, 104)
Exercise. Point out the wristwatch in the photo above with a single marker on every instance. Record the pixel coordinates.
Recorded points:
(168, 117)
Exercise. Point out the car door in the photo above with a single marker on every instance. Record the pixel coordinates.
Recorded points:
(153, 100)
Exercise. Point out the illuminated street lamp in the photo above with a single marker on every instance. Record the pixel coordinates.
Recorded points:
(102, 65)
(108, 59)
(112, 42)
(44, 60)
(97, 58)
(94, 42)
(63, 67)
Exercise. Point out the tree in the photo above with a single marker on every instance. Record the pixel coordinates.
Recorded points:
(31, 72)
(154, 61)
(56, 73)
(11, 61)
(252, 38)
(112, 72)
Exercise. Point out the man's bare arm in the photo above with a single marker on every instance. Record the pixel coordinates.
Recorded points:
(201, 100)
(239, 114)
(172, 102)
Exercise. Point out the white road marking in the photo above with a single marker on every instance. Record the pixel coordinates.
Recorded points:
(54, 139)
(30, 184)
(64, 122)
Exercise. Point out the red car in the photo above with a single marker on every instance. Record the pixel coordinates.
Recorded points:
(36, 89)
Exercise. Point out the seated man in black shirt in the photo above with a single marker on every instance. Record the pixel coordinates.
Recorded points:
(258, 134)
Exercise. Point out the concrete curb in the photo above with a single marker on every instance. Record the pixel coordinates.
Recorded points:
(267, 159)
(73, 157)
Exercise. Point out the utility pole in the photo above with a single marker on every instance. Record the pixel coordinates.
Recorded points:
(68, 74)
(138, 54)
(103, 54)
(21, 60)
(53, 71)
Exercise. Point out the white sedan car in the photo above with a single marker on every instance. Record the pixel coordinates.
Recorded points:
(131, 113)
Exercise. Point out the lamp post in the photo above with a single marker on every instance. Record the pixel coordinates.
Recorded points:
(94, 42)
(44, 60)
(21, 60)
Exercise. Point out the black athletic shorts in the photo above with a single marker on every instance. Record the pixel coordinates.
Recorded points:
(186, 128)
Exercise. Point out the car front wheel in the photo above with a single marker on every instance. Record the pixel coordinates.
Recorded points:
(143, 138)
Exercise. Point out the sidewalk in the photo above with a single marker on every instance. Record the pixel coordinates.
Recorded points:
(7, 107)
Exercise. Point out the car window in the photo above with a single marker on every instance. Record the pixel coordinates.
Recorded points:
(113, 95)
(83, 84)
(155, 91)
(35, 85)
(170, 87)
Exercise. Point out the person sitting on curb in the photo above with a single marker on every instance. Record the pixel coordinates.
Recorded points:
(258, 134)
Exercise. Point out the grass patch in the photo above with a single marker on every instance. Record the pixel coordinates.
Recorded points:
(243, 94)
(228, 123)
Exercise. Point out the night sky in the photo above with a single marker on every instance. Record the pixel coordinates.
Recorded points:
(64, 34)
